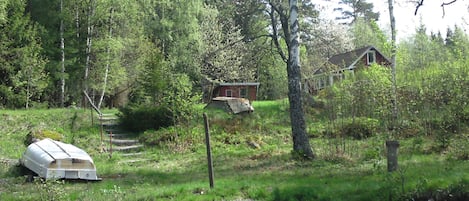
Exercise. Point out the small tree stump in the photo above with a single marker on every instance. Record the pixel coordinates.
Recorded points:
(392, 147)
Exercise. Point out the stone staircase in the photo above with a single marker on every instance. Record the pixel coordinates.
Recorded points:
(118, 142)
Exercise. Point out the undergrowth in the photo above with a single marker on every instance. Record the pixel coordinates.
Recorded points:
(251, 158)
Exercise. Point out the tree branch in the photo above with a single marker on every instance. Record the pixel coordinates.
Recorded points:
(275, 37)
(445, 4)
(419, 3)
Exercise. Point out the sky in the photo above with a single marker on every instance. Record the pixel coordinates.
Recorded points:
(430, 14)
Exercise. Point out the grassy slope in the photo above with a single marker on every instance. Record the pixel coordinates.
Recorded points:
(177, 171)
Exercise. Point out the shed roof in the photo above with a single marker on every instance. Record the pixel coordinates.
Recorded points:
(239, 84)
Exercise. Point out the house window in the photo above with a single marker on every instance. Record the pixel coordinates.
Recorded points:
(228, 93)
(243, 92)
(371, 57)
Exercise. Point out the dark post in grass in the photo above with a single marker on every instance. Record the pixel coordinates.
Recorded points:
(391, 147)
(209, 151)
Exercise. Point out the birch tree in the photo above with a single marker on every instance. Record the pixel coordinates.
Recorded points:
(288, 18)
(393, 63)
(62, 56)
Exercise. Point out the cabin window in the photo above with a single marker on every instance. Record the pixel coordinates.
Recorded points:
(228, 93)
(243, 92)
(322, 82)
(371, 57)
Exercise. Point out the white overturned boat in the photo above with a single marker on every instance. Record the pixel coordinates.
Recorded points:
(52, 159)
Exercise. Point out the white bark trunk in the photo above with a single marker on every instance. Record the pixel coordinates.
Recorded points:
(108, 52)
(89, 39)
(62, 52)
(393, 65)
(301, 143)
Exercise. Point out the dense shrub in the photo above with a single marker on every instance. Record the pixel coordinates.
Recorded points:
(356, 128)
(456, 192)
(144, 117)
(296, 194)
(156, 138)
(409, 128)
(40, 134)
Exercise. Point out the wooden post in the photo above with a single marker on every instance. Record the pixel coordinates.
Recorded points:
(101, 127)
(209, 151)
(391, 147)
(110, 144)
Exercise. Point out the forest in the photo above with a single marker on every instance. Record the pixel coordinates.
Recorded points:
(147, 61)
(121, 52)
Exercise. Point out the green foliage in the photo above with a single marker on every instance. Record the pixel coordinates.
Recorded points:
(176, 168)
(50, 189)
(21, 65)
(301, 193)
(356, 128)
(366, 93)
(144, 117)
(180, 99)
(457, 191)
(40, 134)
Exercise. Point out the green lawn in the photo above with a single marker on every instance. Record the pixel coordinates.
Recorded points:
(178, 170)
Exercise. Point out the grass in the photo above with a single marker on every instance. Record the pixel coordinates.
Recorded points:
(343, 170)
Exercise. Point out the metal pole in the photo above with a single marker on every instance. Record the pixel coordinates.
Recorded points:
(209, 151)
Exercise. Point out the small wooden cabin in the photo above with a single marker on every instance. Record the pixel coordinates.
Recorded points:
(247, 90)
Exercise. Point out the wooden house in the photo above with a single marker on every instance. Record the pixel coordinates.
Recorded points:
(246, 90)
(237, 90)
(338, 66)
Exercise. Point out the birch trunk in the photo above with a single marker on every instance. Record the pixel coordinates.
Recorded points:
(301, 143)
(108, 63)
(393, 65)
(89, 39)
(62, 62)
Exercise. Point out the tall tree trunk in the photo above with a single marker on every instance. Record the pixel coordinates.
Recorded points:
(108, 52)
(393, 65)
(300, 138)
(89, 39)
(62, 62)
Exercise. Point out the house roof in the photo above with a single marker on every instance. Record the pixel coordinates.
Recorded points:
(348, 59)
(239, 84)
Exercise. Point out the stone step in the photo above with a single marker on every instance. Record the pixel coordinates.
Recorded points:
(120, 141)
(109, 124)
(117, 135)
(131, 161)
(108, 118)
(113, 130)
(134, 154)
(129, 148)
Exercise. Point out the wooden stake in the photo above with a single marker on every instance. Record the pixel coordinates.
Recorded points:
(209, 151)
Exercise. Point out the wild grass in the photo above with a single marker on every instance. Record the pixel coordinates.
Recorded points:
(344, 169)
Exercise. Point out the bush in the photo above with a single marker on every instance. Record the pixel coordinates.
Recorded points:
(356, 128)
(456, 192)
(301, 193)
(409, 128)
(143, 117)
(40, 134)
(157, 138)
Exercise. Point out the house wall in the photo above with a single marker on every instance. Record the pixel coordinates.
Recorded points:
(251, 93)
(379, 60)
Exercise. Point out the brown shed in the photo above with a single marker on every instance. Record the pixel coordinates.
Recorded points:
(246, 90)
